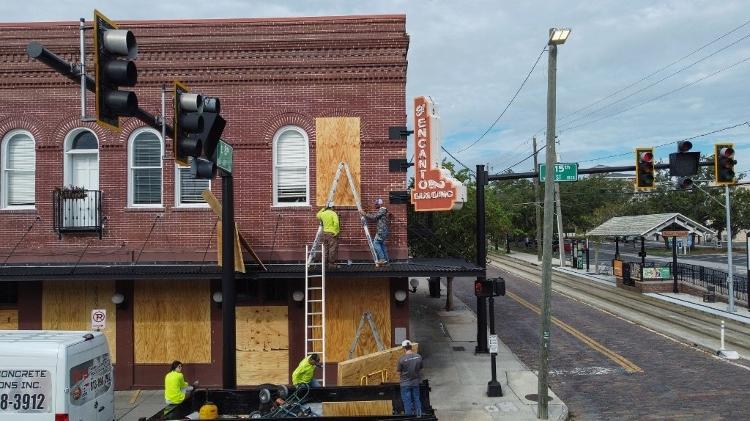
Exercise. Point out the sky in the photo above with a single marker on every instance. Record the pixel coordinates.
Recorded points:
(632, 73)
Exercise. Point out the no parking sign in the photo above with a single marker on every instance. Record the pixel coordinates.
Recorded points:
(98, 319)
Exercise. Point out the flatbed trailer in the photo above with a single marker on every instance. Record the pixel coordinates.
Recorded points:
(239, 404)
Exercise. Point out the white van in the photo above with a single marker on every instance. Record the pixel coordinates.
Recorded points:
(50, 375)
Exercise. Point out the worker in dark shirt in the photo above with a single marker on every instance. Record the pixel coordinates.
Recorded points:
(381, 234)
(409, 369)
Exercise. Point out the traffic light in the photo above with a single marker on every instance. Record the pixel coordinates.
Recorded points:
(644, 168)
(205, 166)
(114, 52)
(492, 287)
(724, 163)
(684, 163)
(187, 123)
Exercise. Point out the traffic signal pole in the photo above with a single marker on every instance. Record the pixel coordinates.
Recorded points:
(69, 70)
(229, 357)
(481, 347)
(730, 269)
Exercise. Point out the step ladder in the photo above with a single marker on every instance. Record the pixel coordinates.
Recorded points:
(331, 193)
(366, 316)
(315, 311)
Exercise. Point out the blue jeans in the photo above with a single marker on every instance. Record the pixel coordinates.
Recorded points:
(410, 398)
(380, 249)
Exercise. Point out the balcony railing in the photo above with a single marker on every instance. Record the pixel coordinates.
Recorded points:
(79, 211)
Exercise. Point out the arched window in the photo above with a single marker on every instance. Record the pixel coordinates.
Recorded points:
(290, 167)
(18, 159)
(145, 168)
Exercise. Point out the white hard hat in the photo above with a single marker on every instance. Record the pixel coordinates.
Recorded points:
(405, 343)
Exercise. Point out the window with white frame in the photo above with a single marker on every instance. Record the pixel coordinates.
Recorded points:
(18, 159)
(145, 169)
(188, 189)
(290, 167)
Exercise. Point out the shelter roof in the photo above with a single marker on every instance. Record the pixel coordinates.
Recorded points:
(643, 225)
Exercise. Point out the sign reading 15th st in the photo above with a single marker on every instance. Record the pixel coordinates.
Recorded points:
(563, 171)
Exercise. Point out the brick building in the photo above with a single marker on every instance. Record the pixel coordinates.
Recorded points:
(299, 95)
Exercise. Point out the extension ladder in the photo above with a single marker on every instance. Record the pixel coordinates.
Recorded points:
(331, 193)
(315, 311)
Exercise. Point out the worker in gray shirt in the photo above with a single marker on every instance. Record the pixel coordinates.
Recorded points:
(409, 369)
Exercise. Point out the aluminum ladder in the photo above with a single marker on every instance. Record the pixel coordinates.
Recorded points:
(331, 193)
(315, 312)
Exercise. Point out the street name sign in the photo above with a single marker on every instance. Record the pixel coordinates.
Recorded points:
(563, 171)
(224, 154)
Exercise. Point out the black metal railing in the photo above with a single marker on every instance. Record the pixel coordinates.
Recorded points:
(77, 211)
(704, 277)
(693, 275)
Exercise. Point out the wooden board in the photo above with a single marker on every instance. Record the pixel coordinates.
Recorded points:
(350, 372)
(346, 300)
(262, 344)
(9, 319)
(357, 408)
(337, 139)
(213, 202)
(172, 321)
(67, 306)
(239, 262)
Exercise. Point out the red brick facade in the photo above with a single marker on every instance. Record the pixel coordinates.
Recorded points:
(268, 74)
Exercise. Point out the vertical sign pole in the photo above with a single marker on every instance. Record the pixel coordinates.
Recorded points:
(229, 359)
(481, 262)
(730, 269)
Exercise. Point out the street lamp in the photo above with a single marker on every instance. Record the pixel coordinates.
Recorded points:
(557, 36)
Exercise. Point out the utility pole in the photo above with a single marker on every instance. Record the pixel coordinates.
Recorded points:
(537, 209)
(560, 232)
(730, 274)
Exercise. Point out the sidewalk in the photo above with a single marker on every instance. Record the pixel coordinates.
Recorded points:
(741, 314)
(459, 377)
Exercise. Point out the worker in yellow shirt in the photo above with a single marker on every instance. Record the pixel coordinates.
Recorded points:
(305, 371)
(176, 389)
(330, 221)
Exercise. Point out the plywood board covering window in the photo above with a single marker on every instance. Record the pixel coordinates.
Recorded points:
(337, 139)
(172, 321)
(346, 300)
(262, 344)
(9, 319)
(67, 306)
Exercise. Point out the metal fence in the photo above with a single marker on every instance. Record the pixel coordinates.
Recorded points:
(693, 275)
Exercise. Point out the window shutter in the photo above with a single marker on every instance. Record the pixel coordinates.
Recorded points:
(20, 170)
(146, 167)
(191, 188)
(291, 167)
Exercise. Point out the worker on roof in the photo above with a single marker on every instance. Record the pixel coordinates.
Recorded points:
(330, 221)
(381, 234)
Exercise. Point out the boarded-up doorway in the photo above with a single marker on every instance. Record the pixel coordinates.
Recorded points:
(262, 345)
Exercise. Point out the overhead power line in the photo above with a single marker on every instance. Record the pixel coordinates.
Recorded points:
(509, 103)
(653, 73)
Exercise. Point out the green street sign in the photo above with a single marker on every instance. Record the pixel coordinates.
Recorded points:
(224, 154)
(563, 172)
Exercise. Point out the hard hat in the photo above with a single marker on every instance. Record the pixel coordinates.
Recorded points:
(379, 201)
(406, 343)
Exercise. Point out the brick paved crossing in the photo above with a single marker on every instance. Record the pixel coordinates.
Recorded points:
(677, 382)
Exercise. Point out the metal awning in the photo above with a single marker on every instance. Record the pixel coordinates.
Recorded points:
(644, 225)
(196, 270)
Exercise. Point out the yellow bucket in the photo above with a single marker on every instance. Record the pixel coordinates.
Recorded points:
(209, 411)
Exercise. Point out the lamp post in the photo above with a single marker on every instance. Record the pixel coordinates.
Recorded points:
(557, 36)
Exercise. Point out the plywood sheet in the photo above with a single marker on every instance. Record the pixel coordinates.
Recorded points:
(172, 321)
(346, 300)
(350, 372)
(357, 408)
(337, 139)
(258, 367)
(9, 319)
(67, 306)
(262, 344)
